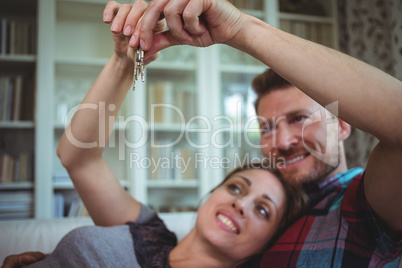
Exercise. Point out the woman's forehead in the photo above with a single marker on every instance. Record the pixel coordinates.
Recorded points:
(257, 177)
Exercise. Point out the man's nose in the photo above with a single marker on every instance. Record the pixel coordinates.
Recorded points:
(285, 137)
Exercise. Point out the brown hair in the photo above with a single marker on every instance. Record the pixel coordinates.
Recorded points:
(296, 199)
(267, 82)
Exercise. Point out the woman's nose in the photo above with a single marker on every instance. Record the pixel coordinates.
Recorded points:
(239, 208)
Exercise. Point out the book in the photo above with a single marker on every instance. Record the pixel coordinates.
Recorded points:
(17, 98)
(9, 100)
(25, 170)
(4, 88)
(286, 25)
(28, 98)
(3, 36)
(11, 36)
(186, 168)
(326, 35)
(7, 168)
(314, 32)
(299, 28)
(58, 205)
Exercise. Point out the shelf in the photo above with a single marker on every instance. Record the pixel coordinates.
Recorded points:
(120, 126)
(306, 18)
(16, 185)
(188, 183)
(244, 69)
(161, 127)
(100, 62)
(16, 124)
(172, 66)
(18, 58)
(85, 1)
(187, 67)
(255, 13)
(68, 185)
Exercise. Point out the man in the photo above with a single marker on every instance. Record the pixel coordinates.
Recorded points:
(335, 231)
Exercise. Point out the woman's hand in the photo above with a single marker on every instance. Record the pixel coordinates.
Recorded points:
(124, 19)
(20, 260)
(198, 23)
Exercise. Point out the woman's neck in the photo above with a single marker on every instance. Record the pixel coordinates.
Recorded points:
(194, 251)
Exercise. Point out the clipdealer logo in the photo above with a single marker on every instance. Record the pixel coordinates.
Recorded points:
(328, 114)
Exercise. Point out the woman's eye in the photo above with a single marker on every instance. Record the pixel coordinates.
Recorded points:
(263, 211)
(234, 188)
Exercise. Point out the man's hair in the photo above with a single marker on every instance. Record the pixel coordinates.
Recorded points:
(267, 82)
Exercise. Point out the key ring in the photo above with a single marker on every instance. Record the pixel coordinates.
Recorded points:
(138, 65)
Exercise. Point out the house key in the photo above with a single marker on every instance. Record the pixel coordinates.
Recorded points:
(138, 65)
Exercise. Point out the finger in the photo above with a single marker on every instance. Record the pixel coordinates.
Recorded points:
(191, 18)
(120, 18)
(161, 41)
(151, 58)
(160, 26)
(26, 259)
(31, 257)
(133, 17)
(110, 11)
(148, 22)
(173, 14)
(10, 262)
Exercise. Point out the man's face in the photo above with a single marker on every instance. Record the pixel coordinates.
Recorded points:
(285, 137)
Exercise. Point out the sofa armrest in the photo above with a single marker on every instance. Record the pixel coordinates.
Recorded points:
(17, 236)
(42, 235)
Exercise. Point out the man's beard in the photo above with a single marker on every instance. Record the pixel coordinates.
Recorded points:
(317, 173)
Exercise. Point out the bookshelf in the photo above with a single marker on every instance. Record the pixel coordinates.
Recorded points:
(193, 110)
(18, 59)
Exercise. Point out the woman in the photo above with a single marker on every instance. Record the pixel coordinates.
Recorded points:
(242, 215)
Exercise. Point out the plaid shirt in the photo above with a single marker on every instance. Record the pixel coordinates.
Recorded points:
(339, 231)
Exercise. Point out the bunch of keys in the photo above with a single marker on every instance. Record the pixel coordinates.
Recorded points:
(138, 65)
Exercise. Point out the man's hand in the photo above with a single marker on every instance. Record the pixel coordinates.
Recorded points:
(23, 259)
(198, 23)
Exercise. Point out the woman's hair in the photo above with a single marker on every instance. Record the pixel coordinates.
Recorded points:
(296, 198)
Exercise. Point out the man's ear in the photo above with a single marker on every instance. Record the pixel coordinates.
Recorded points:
(344, 130)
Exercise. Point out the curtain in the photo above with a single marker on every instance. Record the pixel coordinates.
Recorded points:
(370, 30)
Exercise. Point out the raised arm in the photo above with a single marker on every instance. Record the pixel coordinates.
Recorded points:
(368, 98)
(80, 148)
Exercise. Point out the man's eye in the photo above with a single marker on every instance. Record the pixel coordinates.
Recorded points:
(263, 211)
(234, 188)
(266, 129)
(299, 118)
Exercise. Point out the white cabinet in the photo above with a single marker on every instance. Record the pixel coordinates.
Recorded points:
(178, 133)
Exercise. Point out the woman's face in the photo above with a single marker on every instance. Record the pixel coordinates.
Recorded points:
(241, 216)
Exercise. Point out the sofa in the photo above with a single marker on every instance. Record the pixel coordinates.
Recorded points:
(18, 236)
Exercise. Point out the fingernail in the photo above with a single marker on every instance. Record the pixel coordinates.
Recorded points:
(127, 30)
(106, 17)
(132, 41)
(142, 44)
(115, 27)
